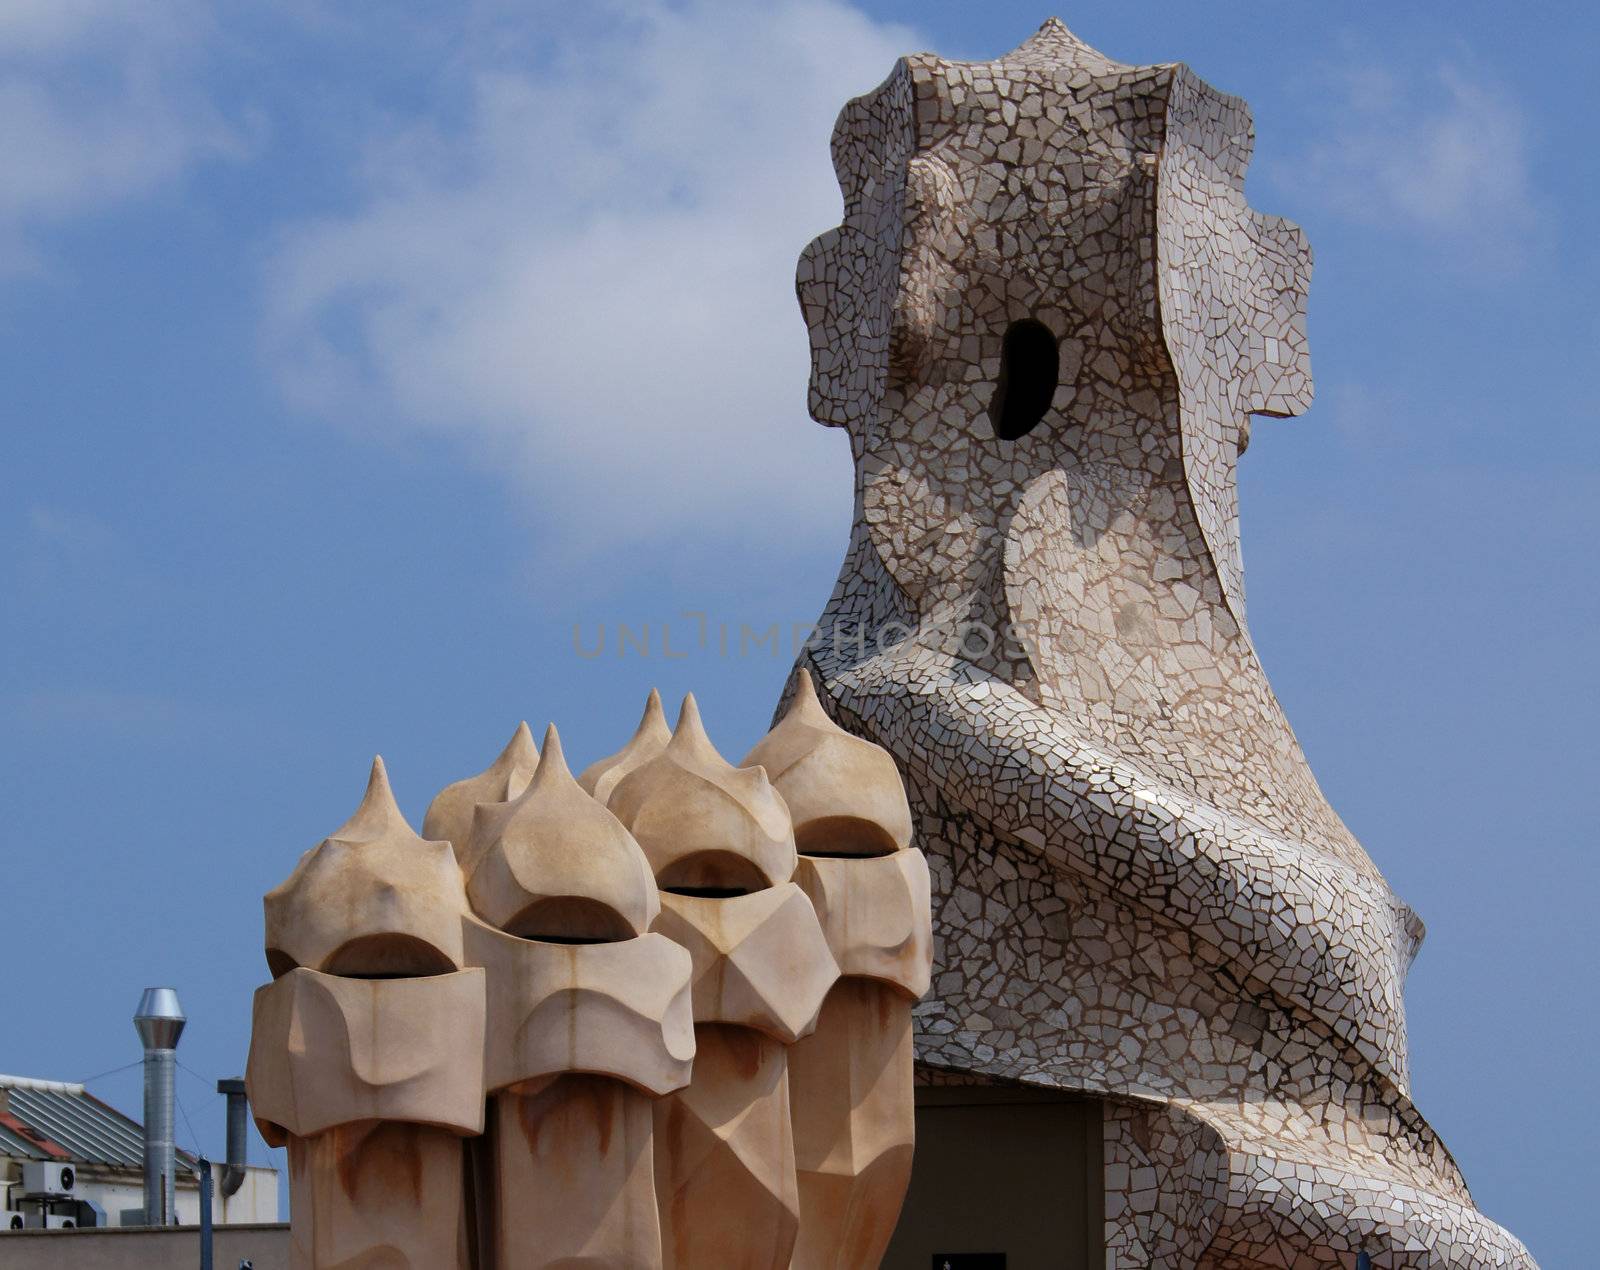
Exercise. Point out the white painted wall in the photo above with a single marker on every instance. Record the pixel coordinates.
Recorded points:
(255, 1201)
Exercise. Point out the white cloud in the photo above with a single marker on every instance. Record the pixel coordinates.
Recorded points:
(98, 103)
(1442, 154)
(36, 27)
(582, 265)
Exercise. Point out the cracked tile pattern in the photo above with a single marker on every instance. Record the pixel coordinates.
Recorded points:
(1139, 890)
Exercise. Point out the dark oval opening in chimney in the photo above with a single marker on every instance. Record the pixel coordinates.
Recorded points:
(1030, 369)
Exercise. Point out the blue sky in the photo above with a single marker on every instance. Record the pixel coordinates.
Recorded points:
(347, 364)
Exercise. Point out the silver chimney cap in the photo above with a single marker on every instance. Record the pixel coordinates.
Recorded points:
(160, 1019)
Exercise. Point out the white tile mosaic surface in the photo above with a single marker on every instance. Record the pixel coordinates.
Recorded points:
(1139, 889)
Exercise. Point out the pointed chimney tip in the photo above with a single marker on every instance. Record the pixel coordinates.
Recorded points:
(552, 757)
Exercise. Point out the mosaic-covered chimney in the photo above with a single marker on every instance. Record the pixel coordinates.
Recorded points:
(1047, 320)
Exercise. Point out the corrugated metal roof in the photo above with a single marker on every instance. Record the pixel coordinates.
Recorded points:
(68, 1116)
(15, 1142)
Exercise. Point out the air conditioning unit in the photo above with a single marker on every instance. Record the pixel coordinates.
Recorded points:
(45, 1179)
(49, 1221)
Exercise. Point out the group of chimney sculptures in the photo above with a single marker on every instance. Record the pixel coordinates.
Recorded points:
(657, 1015)
(685, 990)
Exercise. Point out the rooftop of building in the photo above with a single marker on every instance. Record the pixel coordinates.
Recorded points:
(62, 1121)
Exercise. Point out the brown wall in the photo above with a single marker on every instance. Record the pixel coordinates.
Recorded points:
(136, 1248)
(1004, 1170)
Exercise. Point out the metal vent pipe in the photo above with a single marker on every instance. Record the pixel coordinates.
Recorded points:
(159, 1023)
(238, 1130)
